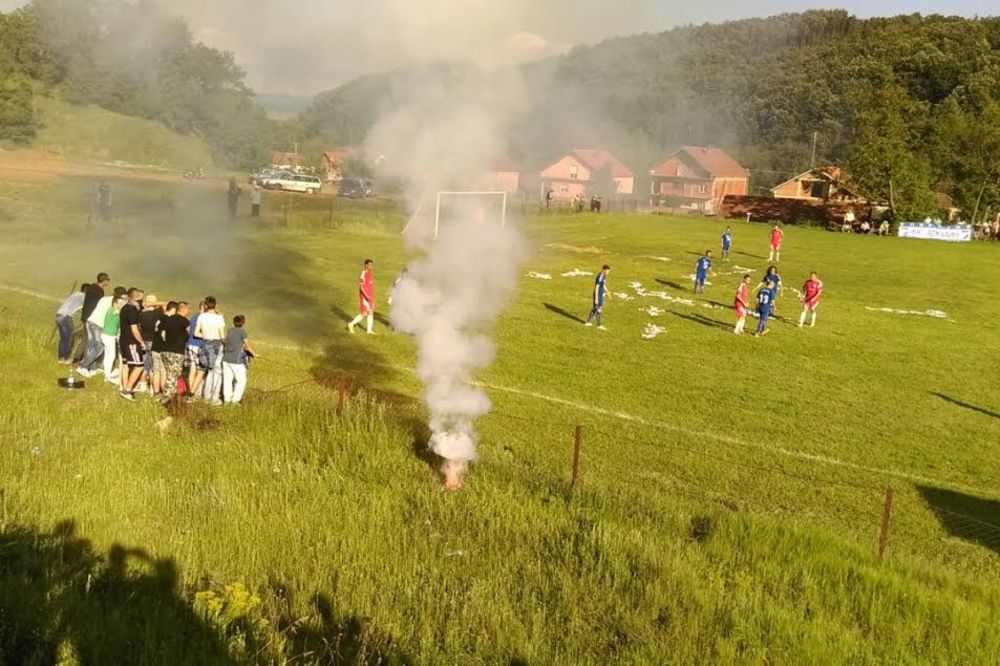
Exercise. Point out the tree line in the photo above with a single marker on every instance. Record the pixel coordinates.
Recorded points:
(910, 104)
(129, 58)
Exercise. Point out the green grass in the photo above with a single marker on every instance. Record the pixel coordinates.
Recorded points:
(92, 134)
(731, 488)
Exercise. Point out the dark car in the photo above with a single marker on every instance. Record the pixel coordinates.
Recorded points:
(355, 188)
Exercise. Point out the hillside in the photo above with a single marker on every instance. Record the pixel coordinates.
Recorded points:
(909, 99)
(91, 134)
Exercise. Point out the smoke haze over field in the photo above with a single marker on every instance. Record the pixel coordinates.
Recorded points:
(305, 46)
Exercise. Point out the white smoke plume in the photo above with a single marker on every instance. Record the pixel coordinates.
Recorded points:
(453, 292)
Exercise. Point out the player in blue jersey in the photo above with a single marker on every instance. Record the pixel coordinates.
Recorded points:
(764, 304)
(772, 282)
(727, 243)
(701, 272)
(600, 293)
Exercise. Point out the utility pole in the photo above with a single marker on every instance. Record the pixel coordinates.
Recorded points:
(812, 163)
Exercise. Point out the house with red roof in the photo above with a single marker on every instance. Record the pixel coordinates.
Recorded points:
(826, 184)
(333, 160)
(696, 178)
(584, 173)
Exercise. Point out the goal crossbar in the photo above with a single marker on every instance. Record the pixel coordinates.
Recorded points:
(472, 193)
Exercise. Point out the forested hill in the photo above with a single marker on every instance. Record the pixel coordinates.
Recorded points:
(128, 58)
(912, 100)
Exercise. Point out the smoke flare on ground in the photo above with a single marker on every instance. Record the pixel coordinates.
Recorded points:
(453, 293)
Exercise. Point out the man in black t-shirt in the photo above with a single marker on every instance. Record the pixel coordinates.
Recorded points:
(91, 348)
(157, 344)
(149, 317)
(131, 344)
(174, 329)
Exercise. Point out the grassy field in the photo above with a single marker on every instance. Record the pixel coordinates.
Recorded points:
(731, 488)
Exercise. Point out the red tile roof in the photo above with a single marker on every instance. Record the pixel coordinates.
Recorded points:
(715, 161)
(596, 160)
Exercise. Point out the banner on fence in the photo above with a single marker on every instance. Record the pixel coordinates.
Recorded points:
(958, 233)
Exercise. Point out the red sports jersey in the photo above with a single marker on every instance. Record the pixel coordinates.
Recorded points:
(366, 291)
(811, 291)
(776, 236)
(742, 299)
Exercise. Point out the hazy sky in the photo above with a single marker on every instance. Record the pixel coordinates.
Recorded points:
(302, 46)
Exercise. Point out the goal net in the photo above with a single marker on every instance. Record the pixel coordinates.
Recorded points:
(460, 208)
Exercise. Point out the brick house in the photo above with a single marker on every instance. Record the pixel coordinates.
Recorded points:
(697, 179)
(586, 172)
(332, 162)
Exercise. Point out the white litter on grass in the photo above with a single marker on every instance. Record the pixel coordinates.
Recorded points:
(652, 330)
(709, 306)
(654, 311)
(622, 296)
(934, 314)
(742, 269)
(665, 259)
(539, 276)
(796, 291)
(576, 272)
(662, 295)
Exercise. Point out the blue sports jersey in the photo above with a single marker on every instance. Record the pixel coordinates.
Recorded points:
(727, 240)
(703, 265)
(773, 283)
(600, 282)
(764, 299)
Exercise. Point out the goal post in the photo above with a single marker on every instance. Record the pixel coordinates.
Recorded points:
(497, 202)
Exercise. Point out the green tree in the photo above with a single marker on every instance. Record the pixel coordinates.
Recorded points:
(17, 114)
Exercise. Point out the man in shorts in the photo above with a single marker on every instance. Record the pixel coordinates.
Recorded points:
(777, 236)
(159, 373)
(366, 298)
(811, 291)
(742, 304)
(130, 343)
(149, 318)
(193, 348)
(174, 332)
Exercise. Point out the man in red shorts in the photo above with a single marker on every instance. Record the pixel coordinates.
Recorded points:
(366, 298)
(742, 304)
(811, 291)
(777, 235)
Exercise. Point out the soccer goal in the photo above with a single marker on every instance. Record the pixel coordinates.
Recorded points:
(483, 207)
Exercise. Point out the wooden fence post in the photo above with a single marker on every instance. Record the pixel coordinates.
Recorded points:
(577, 442)
(883, 537)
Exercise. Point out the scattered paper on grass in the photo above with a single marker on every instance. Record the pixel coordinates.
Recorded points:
(652, 330)
(622, 296)
(662, 295)
(653, 311)
(742, 269)
(665, 259)
(934, 314)
(539, 276)
(576, 272)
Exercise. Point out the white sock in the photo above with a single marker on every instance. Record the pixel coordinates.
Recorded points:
(802, 318)
(371, 322)
(356, 320)
(814, 319)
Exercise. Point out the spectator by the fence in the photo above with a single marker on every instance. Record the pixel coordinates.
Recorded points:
(255, 200)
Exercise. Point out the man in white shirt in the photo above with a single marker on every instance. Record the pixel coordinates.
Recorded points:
(211, 328)
(95, 322)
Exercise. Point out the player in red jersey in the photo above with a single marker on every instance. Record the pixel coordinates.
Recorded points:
(742, 304)
(777, 235)
(811, 291)
(366, 298)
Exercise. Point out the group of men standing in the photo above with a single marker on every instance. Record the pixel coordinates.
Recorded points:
(154, 342)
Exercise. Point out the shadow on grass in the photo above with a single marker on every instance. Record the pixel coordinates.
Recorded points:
(668, 283)
(555, 309)
(973, 519)
(57, 595)
(752, 256)
(702, 320)
(965, 405)
(325, 637)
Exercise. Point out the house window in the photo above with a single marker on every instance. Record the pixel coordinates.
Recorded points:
(574, 172)
(703, 188)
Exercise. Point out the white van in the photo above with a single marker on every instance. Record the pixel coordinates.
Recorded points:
(293, 182)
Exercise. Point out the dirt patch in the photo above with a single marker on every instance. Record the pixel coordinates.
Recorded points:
(575, 248)
(34, 166)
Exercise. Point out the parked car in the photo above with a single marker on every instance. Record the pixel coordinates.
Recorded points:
(293, 182)
(355, 188)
